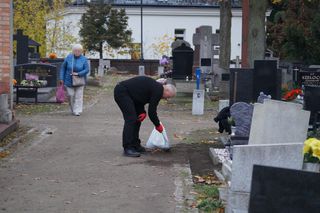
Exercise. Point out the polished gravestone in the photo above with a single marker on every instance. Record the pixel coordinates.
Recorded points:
(266, 79)
(241, 85)
(182, 62)
(42, 71)
(280, 190)
(309, 77)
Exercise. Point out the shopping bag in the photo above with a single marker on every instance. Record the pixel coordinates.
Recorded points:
(158, 140)
(60, 96)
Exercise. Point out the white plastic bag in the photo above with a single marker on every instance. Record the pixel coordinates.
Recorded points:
(158, 140)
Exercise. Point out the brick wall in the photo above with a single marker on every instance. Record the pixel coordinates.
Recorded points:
(5, 47)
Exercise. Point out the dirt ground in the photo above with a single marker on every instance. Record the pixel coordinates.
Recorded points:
(75, 164)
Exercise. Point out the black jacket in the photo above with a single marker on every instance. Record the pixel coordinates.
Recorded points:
(144, 90)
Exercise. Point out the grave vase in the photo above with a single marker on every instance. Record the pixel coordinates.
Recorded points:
(311, 167)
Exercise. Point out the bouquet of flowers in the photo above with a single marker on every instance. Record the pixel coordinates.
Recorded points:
(291, 95)
(38, 83)
(311, 150)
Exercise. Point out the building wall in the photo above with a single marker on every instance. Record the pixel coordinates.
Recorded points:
(5, 46)
(160, 21)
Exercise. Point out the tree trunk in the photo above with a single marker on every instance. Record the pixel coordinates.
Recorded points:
(257, 30)
(225, 47)
(225, 34)
(101, 50)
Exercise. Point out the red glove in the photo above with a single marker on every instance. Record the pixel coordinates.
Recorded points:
(142, 116)
(159, 128)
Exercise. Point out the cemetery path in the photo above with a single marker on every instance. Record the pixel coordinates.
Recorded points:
(76, 165)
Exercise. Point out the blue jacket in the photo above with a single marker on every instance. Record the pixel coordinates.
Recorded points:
(80, 65)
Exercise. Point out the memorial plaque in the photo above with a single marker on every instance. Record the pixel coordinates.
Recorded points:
(280, 190)
(309, 77)
(42, 71)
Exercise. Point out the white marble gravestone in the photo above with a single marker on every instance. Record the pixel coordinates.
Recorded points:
(275, 122)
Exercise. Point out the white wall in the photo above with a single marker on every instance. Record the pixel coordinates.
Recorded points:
(159, 21)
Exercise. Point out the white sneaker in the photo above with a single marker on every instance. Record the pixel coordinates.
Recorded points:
(77, 114)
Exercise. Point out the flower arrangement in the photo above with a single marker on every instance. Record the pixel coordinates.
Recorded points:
(37, 83)
(53, 56)
(311, 150)
(291, 95)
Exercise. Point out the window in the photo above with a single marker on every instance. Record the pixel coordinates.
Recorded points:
(179, 34)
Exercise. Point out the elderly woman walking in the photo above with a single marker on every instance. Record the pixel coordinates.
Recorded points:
(73, 75)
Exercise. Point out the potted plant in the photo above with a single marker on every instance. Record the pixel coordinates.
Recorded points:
(311, 151)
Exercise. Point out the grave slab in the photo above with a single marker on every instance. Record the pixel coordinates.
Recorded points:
(245, 156)
(238, 201)
(276, 122)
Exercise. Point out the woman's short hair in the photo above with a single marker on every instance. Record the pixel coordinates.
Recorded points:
(77, 47)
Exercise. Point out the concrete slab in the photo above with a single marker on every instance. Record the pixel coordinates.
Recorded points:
(6, 129)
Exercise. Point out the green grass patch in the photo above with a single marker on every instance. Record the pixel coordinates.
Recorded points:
(208, 198)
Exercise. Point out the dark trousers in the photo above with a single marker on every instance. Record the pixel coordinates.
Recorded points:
(130, 111)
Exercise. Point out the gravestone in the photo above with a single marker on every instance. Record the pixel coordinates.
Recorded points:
(103, 65)
(309, 77)
(182, 62)
(242, 115)
(266, 79)
(22, 47)
(198, 102)
(43, 71)
(241, 85)
(141, 70)
(288, 155)
(223, 104)
(279, 190)
(203, 38)
(278, 122)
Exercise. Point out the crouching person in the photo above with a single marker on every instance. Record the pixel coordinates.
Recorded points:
(131, 96)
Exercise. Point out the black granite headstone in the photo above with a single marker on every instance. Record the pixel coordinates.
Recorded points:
(43, 71)
(266, 79)
(309, 77)
(241, 85)
(312, 103)
(277, 190)
(182, 62)
(22, 47)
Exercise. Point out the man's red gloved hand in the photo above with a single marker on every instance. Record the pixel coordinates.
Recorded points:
(142, 116)
(159, 128)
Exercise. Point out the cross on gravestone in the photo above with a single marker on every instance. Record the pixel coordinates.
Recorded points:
(22, 47)
(203, 39)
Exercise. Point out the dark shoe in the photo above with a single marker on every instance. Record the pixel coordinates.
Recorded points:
(131, 153)
(140, 149)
